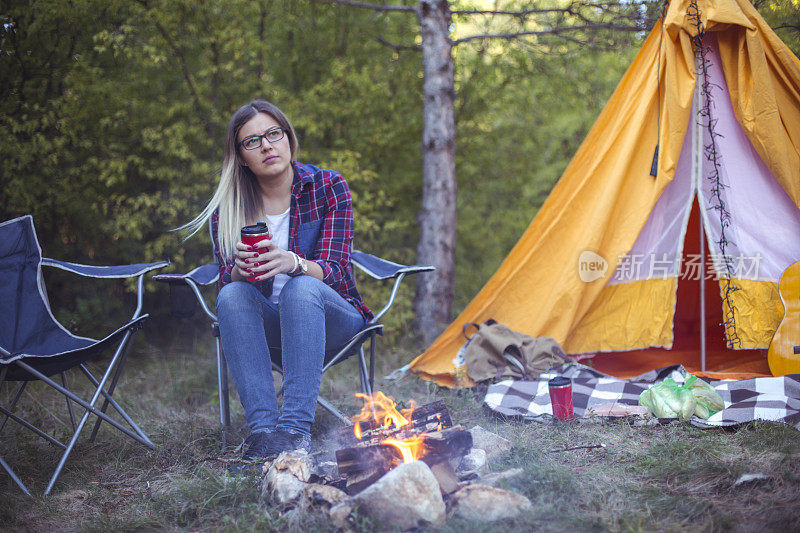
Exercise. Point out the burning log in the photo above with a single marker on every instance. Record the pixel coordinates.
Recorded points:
(446, 444)
(429, 417)
(358, 481)
(433, 448)
(365, 458)
(384, 437)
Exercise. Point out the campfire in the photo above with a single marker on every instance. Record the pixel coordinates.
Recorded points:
(384, 436)
(396, 465)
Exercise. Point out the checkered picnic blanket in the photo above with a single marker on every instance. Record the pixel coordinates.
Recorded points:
(769, 398)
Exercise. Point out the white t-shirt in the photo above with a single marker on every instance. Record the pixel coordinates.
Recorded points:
(279, 226)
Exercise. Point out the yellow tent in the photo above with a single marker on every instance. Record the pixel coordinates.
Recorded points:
(598, 269)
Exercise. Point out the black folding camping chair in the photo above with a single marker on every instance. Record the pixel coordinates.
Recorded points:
(185, 292)
(35, 346)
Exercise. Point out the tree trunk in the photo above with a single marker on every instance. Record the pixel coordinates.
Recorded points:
(437, 219)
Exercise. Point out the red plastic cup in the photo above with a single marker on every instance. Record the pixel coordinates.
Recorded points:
(561, 398)
(252, 235)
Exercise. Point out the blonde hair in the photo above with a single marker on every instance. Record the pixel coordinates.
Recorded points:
(237, 196)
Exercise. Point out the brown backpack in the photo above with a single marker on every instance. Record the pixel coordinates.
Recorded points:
(497, 352)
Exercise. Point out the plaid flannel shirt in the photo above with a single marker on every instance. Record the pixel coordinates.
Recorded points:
(320, 230)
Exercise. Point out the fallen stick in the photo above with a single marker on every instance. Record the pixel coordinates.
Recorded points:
(588, 447)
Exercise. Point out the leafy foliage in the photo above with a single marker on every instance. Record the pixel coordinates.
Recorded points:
(783, 16)
(112, 116)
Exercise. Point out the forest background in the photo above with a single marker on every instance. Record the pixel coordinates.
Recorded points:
(113, 114)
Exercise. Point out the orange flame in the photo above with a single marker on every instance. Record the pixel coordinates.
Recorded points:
(410, 449)
(383, 411)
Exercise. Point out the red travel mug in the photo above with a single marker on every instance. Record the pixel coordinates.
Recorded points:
(561, 398)
(252, 235)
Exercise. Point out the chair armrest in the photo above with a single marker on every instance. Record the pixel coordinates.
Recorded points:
(382, 269)
(121, 271)
(202, 275)
(111, 272)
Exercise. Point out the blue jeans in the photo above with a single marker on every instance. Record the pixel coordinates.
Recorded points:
(309, 322)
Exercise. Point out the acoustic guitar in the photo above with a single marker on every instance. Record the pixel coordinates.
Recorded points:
(784, 350)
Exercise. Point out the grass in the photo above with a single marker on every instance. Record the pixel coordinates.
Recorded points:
(670, 477)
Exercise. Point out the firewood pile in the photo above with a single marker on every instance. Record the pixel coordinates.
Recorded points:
(406, 468)
(377, 446)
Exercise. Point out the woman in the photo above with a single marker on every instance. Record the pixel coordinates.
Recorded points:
(311, 307)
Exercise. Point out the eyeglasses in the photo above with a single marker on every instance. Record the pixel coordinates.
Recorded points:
(254, 141)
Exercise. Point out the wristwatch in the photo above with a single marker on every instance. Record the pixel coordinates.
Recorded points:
(302, 266)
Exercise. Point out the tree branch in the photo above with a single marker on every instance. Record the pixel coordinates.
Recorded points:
(378, 7)
(551, 31)
(398, 47)
(523, 13)
(374, 7)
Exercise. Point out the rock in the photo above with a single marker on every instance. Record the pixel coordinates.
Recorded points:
(297, 463)
(445, 476)
(281, 488)
(492, 443)
(265, 467)
(474, 460)
(322, 495)
(314, 497)
(407, 497)
(341, 512)
(487, 504)
(286, 478)
(500, 477)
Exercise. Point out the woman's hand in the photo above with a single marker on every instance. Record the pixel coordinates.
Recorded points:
(263, 260)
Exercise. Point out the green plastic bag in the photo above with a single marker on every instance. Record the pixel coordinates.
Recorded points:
(668, 399)
(709, 401)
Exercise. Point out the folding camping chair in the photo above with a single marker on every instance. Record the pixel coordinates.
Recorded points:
(183, 285)
(34, 345)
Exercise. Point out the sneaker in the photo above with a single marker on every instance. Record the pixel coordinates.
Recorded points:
(257, 446)
(288, 441)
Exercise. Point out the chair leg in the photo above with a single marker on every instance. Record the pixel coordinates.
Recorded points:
(21, 421)
(372, 340)
(26, 424)
(110, 399)
(224, 398)
(69, 403)
(333, 410)
(90, 409)
(111, 388)
(13, 403)
(366, 387)
(14, 476)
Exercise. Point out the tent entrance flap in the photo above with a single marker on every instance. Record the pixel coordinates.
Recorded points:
(686, 341)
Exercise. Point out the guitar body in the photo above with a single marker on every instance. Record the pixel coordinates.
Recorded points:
(784, 350)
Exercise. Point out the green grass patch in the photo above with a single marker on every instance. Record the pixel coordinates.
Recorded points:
(670, 477)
